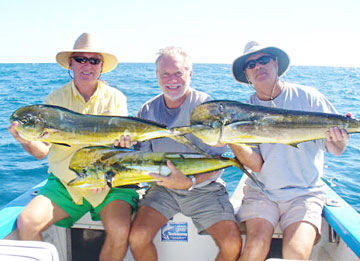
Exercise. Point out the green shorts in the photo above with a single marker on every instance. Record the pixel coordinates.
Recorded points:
(57, 193)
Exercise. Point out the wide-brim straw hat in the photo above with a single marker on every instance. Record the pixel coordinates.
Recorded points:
(252, 48)
(88, 43)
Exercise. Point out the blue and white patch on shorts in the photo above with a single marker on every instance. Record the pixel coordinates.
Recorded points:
(175, 231)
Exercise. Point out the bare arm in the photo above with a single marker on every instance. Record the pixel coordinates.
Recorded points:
(247, 156)
(37, 149)
(336, 140)
(177, 180)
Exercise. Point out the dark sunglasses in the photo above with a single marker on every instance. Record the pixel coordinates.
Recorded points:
(251, 64)
(83, 60)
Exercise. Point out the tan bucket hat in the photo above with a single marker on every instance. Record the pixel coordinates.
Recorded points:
(88, 43)
(252, 48)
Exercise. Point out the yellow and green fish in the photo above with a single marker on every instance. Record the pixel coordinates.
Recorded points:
(58, 125)
(224, 121)
(98, 166)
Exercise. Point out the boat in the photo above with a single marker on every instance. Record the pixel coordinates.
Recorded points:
(178, 239)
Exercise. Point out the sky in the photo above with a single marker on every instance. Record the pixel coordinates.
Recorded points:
(312, 32)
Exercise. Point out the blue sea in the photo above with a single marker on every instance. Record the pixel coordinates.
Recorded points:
(24, 84)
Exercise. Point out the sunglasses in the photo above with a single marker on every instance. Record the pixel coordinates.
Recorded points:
(83, 60)
(251, 64)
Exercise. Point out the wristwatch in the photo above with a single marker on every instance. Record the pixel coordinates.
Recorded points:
(193, 179)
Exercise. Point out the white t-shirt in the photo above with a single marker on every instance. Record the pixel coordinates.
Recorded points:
(288, 172)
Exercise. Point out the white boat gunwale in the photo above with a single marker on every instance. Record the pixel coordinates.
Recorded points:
(342, 218)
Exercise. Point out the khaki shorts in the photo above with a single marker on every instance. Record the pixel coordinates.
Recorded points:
(306, 208)
(206, 205)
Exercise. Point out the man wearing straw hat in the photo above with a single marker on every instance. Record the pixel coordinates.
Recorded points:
(294, 193)
(62, 205)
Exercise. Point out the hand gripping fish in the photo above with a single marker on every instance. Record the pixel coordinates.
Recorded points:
(58, 125)
(97, 166)
(239, 123)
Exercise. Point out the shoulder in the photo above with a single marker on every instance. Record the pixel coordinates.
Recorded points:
(54, 98)
(150, 104)
(198, 97)
(303, 89)
(311, 97)
(112, 92)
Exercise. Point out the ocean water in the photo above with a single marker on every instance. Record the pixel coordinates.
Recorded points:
(24, 84)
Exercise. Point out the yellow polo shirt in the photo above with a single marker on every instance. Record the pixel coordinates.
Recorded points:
(105, 101)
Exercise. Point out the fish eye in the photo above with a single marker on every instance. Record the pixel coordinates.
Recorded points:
(221, 107)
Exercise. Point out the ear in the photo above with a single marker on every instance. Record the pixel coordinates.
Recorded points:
(247, 78)
(70, 62)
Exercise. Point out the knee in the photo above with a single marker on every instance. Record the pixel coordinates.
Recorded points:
(231, 244)
(139, 237)
(25, 222)
(258, 240)
(119, 232)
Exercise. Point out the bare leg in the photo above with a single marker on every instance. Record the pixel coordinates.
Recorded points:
(227, 237)
(37, 216)
(258, 239)
(116, 218)
(147, 223)
(298, 240)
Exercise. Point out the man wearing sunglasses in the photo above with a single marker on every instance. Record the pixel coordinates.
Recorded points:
(294, 193)
(56, 202)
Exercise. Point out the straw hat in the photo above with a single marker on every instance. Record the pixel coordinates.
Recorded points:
(252, 48)
(88, 43)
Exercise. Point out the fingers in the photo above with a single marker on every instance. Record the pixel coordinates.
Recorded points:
(336, 135)
(124, 142)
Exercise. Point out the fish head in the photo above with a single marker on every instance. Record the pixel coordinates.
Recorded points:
(31, 121)
(90, 179)
(218, 113)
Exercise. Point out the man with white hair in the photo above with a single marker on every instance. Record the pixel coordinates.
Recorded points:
(294, 192)
(200, 197)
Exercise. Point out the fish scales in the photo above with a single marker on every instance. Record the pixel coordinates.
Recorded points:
(97, 166)
(59, 125)
(239, 123)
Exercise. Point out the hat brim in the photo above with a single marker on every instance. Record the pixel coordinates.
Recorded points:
(238, 65)
(109, 60)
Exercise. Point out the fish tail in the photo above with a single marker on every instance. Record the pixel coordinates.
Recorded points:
(185, 141)
(178, 135)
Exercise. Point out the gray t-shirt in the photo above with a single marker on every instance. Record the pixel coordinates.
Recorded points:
(289, 172)
(156, 110)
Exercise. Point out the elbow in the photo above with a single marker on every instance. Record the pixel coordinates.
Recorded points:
(255, 168)
(40, 157)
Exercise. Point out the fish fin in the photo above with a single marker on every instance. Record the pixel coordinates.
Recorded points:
(71, 181)
(61, 144)
(179, 136)
(244, 144)
(108, 180)
(241, 166)
(185, 141)
(294, 145)
(237, 123)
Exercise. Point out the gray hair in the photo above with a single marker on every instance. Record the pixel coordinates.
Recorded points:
(172, 51)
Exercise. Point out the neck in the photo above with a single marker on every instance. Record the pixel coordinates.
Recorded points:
(86, 89)
(270, 92)
(177, 103)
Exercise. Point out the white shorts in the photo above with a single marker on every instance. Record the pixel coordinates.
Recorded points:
(306, 208)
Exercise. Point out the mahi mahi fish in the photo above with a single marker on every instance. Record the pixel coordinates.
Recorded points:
(96, 166)
(54, 124)
(224, 121)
